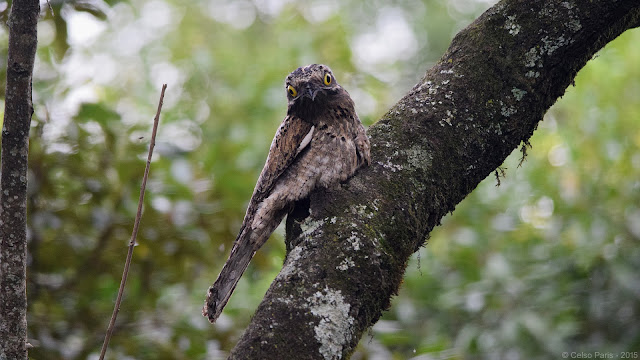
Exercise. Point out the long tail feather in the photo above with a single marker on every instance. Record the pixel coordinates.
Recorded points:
(219, 293)
(245, 246)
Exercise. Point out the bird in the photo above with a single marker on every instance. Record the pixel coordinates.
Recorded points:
(321, 142)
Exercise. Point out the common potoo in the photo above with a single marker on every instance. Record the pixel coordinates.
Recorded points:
(320, 142)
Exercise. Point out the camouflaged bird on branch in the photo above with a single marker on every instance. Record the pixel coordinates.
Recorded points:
(320, 142)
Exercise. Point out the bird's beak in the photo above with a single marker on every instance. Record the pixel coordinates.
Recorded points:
(310, 93)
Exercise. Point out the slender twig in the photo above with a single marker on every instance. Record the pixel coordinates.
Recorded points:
(136, 225)
(51, 8)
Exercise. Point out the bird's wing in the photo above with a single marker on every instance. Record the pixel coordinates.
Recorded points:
(292, 137)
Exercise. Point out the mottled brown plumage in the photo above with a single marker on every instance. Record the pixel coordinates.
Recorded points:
(320, 142)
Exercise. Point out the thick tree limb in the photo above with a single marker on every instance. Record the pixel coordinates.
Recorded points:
(480, 102)
(13, 184)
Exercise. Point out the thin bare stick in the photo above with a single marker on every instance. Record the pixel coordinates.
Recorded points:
(51, 8)
(136, 225)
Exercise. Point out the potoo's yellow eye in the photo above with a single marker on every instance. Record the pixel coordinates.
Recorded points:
(292, 91)
(327, 79)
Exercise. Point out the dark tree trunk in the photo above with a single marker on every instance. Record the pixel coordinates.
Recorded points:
(456, 126)
(13, 183)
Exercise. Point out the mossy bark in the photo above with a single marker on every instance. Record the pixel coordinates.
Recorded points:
(349, 246)
(13, 186)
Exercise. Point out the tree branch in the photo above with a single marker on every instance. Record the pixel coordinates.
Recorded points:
(456, 126)
(13, 183)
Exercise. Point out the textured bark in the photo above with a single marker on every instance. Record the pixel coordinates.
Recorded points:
(481, 101)
(13, 183)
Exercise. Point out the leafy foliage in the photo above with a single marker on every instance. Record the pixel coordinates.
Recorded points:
(542, 264)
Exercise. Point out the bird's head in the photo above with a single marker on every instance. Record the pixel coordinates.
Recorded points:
(310, 89)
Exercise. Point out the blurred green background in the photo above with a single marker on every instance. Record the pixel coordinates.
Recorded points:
(545, 263)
